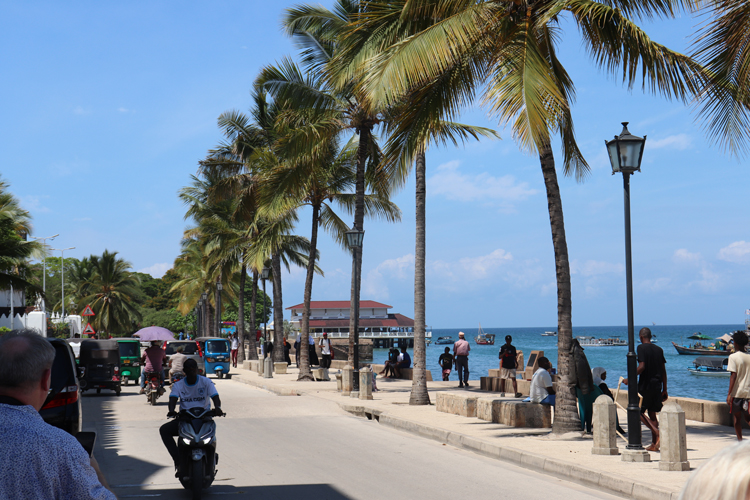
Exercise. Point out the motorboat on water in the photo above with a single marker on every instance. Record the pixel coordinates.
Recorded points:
(549, 334)
(484, 338)
(613, 341)
(710, 366)
(700, 350)
(444, 340)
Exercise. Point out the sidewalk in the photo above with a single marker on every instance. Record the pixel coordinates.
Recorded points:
(532, 448)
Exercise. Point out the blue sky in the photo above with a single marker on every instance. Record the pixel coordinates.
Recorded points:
(108, 107)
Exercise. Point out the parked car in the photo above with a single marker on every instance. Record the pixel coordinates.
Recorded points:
(190, 349)
(63, 406)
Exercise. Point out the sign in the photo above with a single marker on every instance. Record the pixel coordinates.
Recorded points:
(88, 312)
(89, 330)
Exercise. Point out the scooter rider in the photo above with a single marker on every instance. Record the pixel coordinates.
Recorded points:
(192, 391)
(153, 357)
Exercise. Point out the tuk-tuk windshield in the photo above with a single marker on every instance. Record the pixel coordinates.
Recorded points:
(217, 346)
(129, 349)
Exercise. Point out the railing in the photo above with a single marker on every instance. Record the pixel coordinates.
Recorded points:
(372, 335)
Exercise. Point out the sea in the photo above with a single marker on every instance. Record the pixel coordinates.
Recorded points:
(613, 359)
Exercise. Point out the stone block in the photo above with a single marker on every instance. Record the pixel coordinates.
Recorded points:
(489, 409)
(603, 426)
(715, 412)
(280, 367)
(637, 456)
(320, 374)
(347, 380)
(457, 404)
(339, 382)
(693, 408)
(520, 414)
(406, 373)
(672, 438)
(365, 383)
(493, 372)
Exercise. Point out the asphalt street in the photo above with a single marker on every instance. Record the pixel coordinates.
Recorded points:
(275, 447)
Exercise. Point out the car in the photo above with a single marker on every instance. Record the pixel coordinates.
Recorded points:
(191, 350)
(62, 408)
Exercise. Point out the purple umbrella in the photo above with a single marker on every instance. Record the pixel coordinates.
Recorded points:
(154, 333)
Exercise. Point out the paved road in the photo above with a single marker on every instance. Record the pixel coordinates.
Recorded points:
(274, 447)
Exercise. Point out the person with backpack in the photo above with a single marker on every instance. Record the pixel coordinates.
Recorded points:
(446, 363)
(325, 351)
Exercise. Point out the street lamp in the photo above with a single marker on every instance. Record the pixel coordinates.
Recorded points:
(219, 288)
(625, 153)
(354, 238)
(44, 273)
(62, 275)
(267, 361)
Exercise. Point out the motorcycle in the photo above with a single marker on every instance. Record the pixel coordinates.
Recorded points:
(175, 377)
(196, 444)
(153, 387)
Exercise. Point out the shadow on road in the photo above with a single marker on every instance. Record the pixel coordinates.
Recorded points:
(306, 491)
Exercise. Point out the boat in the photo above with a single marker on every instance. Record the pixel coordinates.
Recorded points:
(613, 341)
(549, 334)
(699, 336)
(484, 338)
(444, 340)
(710, 366)
(699, 350)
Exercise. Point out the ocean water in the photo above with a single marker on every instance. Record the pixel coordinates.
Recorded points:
(679, 381)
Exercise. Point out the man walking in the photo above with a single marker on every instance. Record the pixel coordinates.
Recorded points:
(652, 384)
(739, 382)
(461, 350)
(235, 347)
(325, 351)
(508, 365)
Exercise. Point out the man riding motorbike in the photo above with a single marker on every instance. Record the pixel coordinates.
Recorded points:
(177, 364)
(192, 391)
(154, 358)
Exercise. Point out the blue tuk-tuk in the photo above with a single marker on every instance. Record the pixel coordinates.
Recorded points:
(216, 354)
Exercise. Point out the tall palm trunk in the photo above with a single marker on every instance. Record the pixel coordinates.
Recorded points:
(278, 310)
(566, 413)
(419, 394)
(359, 217)
(241, 315)
(253, 322)
(211, 320)
(304, 364)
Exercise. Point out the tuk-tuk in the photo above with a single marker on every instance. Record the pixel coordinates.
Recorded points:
(216, 355)
(99, 365)
(130, 360)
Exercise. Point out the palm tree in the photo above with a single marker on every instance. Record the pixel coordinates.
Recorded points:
(111, 293)
(509, 51)
(15, 251)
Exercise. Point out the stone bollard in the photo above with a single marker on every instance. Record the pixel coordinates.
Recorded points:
(280, 367)
(672, 438)
(365, 383)
(604, 423)
(347, 380)
(338, 382)
(268, 367)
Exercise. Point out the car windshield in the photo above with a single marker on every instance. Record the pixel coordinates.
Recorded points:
(214, 346)
(190, 348)
(129, 349)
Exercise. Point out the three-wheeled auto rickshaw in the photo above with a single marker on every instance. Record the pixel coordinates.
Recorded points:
(216, 355)
(99, 365)
(130, 360)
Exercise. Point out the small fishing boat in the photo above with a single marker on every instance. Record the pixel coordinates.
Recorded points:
(613, 341)
(699, 336)
(699, 350)
(708, 366)
(444, 340)
(484, 338)
(549, 334)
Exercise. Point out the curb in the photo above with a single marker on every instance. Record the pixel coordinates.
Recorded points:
(279, 391)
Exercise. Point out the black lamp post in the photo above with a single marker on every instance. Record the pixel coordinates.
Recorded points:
(267, 362)
(219, 288)
(197, 318)
(204, 315)
(625, 153)
(354, 238)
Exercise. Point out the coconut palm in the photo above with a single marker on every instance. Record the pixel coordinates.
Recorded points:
(111, 292)
(15, 251)
(509, 50)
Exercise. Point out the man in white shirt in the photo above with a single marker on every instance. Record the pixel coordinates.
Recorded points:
(739, 382)
(234, 349)
(325, 351)
(542, 390)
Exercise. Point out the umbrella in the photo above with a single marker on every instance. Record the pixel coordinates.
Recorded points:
(726, 338)
(154, 333)
(699, 336)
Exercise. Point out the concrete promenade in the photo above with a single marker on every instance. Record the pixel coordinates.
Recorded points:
(536, 449)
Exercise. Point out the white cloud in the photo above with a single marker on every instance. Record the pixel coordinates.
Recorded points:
(79, 110)
(595, 268)
(503, 191)
(677, 141)
(683, 256)
(375, 285)
(157, 270)
(737, 252)
(125, 110)
(482, 266)
(33, 204)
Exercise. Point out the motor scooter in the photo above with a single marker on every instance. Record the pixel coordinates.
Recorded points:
(174, 377)
(196, 445)
(153, 387)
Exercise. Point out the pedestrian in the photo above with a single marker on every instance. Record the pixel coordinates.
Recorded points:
(508, 365)
(287, 348)
(652, 384)
(446, 363)
(600, 375)
(235, 347)
(461, 350)
(739, 382)
(583, 381)
(296, 350)
(38, 460)
(312, 354)
(181, 336)
(325, 351)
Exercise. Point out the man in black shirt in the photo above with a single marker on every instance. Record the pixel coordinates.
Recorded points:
(446, 363)
(652, 384)
(508, 365)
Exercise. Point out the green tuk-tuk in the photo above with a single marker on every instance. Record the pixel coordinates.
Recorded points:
(130, 360)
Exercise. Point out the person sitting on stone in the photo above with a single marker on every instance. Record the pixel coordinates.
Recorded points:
(542, 389)
(404, 361)
(388, 366)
